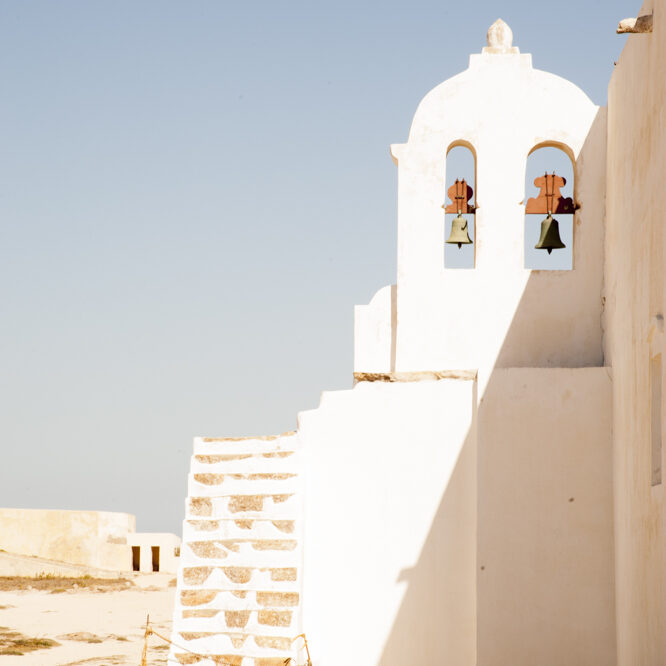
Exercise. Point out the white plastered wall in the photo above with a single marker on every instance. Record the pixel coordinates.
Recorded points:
(634, 285)
(545, 521)
(390, 527)
(374, 339)
(440, 532)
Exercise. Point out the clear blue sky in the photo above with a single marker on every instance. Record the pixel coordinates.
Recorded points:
(193, 196)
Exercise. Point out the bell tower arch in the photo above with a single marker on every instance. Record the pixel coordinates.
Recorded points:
(549, 208)
(460, 206)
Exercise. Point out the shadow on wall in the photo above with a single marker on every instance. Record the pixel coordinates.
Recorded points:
(545, 560)
(437, 615)
(535, 582)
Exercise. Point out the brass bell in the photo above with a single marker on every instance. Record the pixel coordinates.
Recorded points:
(550, 235)
(459, 234)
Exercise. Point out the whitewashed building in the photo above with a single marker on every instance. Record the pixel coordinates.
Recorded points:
(489, 492)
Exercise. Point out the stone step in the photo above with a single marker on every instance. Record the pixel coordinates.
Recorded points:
(250, 645)
(227, 660)
(240, 445)
(239, 528)
(253, 553)
(245, 463)
(214, 620)
(239, 578)
(264, 621)
(244, 641)
(240, 600)
(216, 505)
(267, 622)
(265, 483)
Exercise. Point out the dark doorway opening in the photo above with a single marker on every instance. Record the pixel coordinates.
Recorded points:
(136, 558)
(156, 557)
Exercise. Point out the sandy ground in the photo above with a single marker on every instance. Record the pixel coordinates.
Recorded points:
(93, 628)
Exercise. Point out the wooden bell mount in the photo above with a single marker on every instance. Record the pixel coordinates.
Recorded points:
(459, 193)
(550, 199)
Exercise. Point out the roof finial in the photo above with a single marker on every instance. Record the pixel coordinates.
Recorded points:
(500, 38)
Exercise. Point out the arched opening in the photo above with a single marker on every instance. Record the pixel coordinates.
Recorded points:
(549, 233)
(460, 166)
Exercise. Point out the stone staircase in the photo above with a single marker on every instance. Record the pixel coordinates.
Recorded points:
(238, 597)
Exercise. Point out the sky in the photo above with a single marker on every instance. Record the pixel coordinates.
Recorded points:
(193, 196)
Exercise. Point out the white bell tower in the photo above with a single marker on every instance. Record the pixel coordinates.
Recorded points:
(499, 314)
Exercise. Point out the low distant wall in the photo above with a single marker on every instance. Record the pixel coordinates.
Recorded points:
(91, 538)
(31, 567)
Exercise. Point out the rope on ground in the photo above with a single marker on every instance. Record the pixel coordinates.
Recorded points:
(151, 632)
